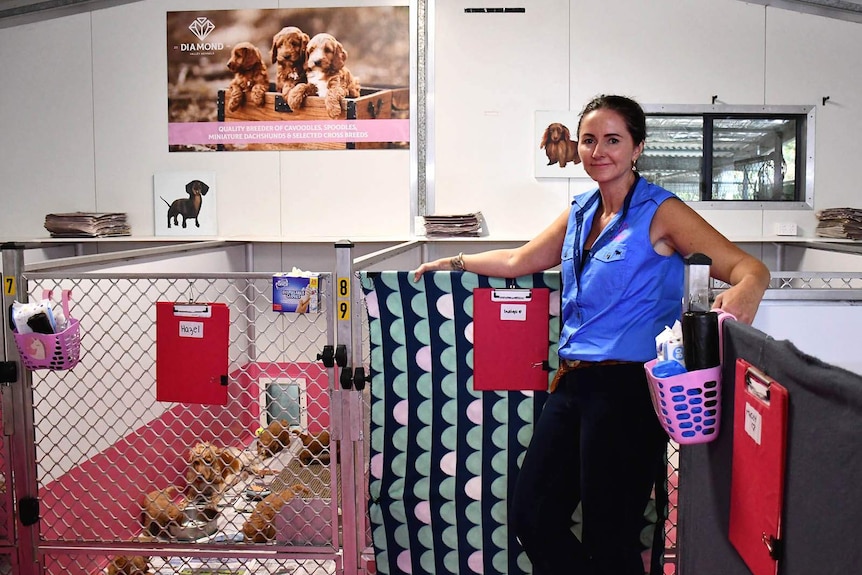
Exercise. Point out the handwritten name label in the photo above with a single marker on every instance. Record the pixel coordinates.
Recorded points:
(753, 423)
(192, 329)
(513, 312)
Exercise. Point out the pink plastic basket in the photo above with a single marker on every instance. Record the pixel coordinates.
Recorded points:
(52, 350)
(688, 405)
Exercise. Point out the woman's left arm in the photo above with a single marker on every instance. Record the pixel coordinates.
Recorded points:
(679, 227)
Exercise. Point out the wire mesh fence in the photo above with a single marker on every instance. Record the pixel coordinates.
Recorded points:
(247, 485)
(117, 463)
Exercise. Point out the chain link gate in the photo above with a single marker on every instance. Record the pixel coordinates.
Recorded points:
(114, 466)
(100, 439)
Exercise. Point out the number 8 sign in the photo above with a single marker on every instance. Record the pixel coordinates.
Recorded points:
(343, 299)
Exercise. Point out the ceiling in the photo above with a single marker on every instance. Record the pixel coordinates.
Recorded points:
(15, 12)
(850, 10)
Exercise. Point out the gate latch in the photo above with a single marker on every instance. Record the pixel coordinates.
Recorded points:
(328, 356)
(28, 510)
(8, 372)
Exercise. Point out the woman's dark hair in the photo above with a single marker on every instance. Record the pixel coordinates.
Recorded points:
(631, 111)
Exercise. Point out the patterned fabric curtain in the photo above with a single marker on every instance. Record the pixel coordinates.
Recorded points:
(443, 456)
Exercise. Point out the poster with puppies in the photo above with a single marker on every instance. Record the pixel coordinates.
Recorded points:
(289, 79)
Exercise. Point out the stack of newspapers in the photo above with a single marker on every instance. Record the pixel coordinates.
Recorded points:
(87, 225)
(454, 225)
(840, 223)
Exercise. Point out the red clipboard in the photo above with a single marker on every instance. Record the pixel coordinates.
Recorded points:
(758, 464)
(192, 352)
(510, 339)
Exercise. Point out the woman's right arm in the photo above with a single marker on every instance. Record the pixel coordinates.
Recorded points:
(539, 254)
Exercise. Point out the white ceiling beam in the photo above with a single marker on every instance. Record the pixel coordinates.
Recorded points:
(17, 12)
(850, 10)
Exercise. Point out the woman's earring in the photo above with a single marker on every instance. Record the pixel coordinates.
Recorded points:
(634, 166)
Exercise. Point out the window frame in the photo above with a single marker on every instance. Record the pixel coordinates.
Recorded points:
(708, 112)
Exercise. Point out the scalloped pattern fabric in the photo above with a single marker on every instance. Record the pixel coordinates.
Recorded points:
(444, 457)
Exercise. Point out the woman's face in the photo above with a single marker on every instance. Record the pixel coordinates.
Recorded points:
(606, 147)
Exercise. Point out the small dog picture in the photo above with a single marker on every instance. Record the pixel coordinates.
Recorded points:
(184, 204)
(555, 149)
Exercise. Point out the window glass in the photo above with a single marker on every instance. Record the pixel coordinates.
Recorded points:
(673, 154)
(730, 156)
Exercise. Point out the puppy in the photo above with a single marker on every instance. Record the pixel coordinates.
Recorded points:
(250, 78)
(188, 207)
(288, 55)
(260, 526)
(327, 76)
(558, 145)
(211, 469)
(315, 448)
(275, 437)
(159, 511)
(129, 565)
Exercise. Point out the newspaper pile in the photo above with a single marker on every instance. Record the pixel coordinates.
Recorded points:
(455, 225)
(839, 223)
(87, 225)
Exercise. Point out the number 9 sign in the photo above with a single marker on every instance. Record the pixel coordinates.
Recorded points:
(343, 299)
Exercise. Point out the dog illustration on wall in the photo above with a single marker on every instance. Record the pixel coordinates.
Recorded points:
(559, 146)
(189, 207)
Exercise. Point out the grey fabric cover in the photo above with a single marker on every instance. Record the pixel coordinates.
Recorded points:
(823, 486)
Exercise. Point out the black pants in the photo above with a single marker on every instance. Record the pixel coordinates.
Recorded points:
(597, 441)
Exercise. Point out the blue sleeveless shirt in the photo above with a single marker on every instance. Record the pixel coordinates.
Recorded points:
(622, 296)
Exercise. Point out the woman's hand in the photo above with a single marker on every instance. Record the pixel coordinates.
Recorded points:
(741, 300)
(443, 264)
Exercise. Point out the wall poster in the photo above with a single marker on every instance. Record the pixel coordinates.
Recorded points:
(289, 79)
(556, 148)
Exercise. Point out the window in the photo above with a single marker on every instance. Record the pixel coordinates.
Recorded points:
(286, 399)
(736, 155)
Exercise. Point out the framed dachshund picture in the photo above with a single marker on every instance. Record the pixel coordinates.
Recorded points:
(555, 145)
(184, 204)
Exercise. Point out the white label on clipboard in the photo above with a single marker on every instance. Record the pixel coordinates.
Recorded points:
(753, 423)
(513, 312)
(193, 329)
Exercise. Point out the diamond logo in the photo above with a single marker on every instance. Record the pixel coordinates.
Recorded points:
(202, 27)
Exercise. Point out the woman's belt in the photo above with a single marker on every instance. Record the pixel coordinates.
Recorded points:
(567, 365)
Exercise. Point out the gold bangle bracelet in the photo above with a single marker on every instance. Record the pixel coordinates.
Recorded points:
(457, 262)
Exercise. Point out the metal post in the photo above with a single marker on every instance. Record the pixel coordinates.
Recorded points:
(17, 400)
(251, 310)
(696, 293)
(347, 407)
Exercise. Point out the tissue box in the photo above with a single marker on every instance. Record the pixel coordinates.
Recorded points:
(295, 293)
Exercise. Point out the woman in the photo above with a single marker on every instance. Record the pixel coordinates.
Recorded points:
(598, 441)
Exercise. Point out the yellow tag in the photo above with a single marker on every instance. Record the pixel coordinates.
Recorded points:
(343, 287)
(258, 431)
(9, 285)
(343, 310)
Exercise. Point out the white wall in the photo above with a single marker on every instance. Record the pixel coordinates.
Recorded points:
(84, 114)
(86, 128)
(804, 323)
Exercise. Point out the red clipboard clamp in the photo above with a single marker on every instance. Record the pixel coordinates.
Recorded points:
(192, 343)
(510, 339)
(758, 468)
